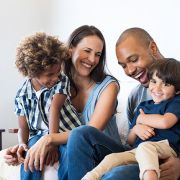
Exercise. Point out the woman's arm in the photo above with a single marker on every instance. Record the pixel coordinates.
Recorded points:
(105, 106)
(35, 157)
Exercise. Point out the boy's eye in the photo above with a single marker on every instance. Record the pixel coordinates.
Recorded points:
(166, 84)
(152, 81)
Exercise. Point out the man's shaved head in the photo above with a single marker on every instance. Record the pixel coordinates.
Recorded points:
(139, 34)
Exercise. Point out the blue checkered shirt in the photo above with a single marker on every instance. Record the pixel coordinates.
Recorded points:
(27, 104)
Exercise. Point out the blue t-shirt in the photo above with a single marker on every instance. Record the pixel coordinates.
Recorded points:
(173, 133)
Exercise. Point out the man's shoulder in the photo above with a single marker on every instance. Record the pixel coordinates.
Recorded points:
(139, 89)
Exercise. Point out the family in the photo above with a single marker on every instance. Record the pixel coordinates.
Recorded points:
(66, 108)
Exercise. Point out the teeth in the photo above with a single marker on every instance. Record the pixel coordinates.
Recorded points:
(138, 75)
(86, 65)
(157, 94)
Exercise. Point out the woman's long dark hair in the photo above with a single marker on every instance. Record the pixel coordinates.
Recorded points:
(98, 73)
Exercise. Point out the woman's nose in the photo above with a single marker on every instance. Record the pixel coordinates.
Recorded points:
(91, 57)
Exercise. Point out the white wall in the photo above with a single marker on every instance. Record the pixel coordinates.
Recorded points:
(19, 18)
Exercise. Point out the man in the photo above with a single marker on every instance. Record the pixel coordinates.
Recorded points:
(136, 51)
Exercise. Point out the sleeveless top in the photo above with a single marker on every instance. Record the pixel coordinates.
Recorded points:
(111, 129)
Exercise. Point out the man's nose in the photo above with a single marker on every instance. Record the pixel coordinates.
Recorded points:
(131, 69)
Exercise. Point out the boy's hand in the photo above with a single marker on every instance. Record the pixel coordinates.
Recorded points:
(21, 152)
(140, 117)
(144, 132)
(52, 156)
(11, 156)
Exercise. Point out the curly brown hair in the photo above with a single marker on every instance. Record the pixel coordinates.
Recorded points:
(39, 52)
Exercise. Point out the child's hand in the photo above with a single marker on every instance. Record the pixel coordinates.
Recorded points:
(52, 156)
(11, 156)
(21, 152)
(140, 117)
(144, 132)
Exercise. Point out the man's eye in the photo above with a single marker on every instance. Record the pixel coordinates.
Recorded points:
(133, 59)
(87, 50)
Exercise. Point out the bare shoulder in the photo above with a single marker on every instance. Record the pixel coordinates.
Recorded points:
(113, 86)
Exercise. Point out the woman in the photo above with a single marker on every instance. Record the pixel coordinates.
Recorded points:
(94, 96)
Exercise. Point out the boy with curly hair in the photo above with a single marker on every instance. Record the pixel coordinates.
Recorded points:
(43, 103)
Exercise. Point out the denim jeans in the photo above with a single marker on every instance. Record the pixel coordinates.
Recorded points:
(125, 172)
(86, 148)
(63, 168)
(35, 175)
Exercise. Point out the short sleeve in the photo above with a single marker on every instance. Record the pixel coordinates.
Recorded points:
(19, 111)
(174, 107)
(63, 86)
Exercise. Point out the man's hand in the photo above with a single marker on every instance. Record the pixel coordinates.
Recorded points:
(11, 157)
(170, 169)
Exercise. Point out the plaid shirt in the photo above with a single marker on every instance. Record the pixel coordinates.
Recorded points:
(27, 104)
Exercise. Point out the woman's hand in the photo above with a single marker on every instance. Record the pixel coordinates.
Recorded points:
(11, 157)
(35, 157)
(170, 169)
(52, 156)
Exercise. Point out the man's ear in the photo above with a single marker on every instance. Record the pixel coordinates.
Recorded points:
(153, 49)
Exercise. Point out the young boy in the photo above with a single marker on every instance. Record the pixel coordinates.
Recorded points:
(155, 130)
(43, 103)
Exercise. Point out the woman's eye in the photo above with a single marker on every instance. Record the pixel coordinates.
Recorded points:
(98, 54)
